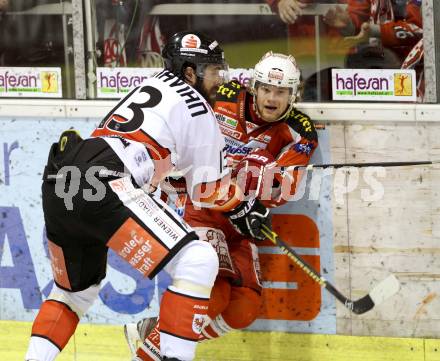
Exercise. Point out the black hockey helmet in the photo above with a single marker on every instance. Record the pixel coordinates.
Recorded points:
(194, 49)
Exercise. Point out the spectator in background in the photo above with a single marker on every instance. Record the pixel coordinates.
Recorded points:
(396, 23)
(129, 36)
(302, 35)
(392, 24)
(288, 10)
(372, 57)
(150, 39)
(4, 5)
(113, 24)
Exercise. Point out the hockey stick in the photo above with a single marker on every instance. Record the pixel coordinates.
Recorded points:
(384, 290)
(362, 165)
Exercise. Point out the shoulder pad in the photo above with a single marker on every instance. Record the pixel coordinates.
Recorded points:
(302, 124)
(228, 92)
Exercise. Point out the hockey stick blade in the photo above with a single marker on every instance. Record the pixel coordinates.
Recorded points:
(381, 292)
(384, 290)
(378, 294)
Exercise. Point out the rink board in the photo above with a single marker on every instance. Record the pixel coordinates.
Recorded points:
(106, 343)
(292, 301)
(362, 238)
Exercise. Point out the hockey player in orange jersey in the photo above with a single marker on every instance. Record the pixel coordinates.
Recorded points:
(262, 128)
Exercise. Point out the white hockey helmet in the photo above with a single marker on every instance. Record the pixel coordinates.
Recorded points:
(279, 70)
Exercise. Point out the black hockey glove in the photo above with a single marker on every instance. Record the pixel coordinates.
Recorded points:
(248, 218)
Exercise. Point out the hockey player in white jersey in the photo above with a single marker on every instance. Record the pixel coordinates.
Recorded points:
(166, 124)
(267, 129)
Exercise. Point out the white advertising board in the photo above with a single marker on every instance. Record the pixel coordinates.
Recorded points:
(115, 83)
(30, 82)
(396, 85)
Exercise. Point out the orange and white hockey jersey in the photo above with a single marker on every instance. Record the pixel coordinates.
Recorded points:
(165, 125)
(291, 140)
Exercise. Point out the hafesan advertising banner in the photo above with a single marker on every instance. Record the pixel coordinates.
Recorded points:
(30, 82)
(115, 83)
(395, 85)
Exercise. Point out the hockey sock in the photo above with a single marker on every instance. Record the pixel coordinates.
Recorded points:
(182, 318)
(55, 323)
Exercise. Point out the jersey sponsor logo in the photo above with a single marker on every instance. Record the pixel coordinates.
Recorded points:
(166, 228)
(264, 138)
(303, 119)
(237, 150)
(121, 185)
(254, 143)
(129, 246)
(141, 157)
(145, 206)
(227, 121)
(230, 132)
(304, 148)
(226, 91)
(198, 322)
(233, 142)
(258, 158)
(137, 246)
(223, 109)
(276, 74)
(58, 265)
(256, 263)
(250, 126)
